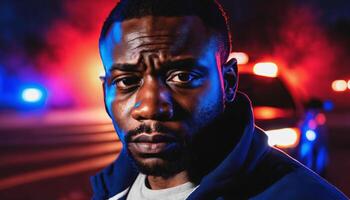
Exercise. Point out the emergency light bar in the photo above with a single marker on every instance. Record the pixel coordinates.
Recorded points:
(340, 85)
(268, 69)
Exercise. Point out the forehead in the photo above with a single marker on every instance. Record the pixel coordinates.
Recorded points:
(126, 41)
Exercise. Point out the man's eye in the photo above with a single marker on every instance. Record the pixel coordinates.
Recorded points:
(127, 82)
(182, 77)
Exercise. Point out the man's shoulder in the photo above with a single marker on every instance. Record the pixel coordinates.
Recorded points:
(301, 183)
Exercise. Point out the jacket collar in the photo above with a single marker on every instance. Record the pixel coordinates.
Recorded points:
(243, 157)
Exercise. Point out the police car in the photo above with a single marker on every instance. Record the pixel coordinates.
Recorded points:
(296, 127)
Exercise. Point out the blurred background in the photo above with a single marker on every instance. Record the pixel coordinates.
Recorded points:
(54, 132)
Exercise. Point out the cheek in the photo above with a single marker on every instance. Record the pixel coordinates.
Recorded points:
(211, 95)
(203, 104)
(212, 102)
(210, 105)
(119, 109)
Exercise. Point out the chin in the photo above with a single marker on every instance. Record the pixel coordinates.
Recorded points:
(156, 166)
(152, 163)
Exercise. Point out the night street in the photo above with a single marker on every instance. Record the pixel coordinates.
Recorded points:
(56, 161)
(164, 71)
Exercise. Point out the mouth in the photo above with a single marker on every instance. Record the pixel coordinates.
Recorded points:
(149, 148)
(151, 144)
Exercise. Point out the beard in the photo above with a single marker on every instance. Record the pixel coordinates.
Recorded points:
(165, 164)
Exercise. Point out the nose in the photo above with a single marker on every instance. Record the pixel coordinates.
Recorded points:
(153, 102)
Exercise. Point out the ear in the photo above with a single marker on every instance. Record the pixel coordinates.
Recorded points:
(104, 88)
(230, 76)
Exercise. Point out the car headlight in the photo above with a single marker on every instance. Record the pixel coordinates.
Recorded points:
(283, 138)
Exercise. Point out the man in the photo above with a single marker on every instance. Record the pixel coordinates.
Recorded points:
(186, 134)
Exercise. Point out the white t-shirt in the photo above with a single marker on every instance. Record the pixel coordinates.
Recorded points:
(140, 191)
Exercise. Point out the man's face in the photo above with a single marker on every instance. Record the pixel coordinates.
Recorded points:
(163, 85)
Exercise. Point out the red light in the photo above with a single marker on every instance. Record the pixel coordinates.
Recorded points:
(339, 85)
(268, 69)
(266, 113)
(321, 118)
(312, 124)
(349, 84)
(242, 58)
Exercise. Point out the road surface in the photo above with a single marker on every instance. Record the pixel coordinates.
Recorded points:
(52, 157)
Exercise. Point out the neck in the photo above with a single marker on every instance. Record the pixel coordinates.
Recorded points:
(157, 182)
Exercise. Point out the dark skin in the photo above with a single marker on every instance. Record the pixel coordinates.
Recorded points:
(163, 72)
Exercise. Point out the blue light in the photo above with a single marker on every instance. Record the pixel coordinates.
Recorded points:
(2, 81)
(32, 95)
(328, 105)
(311, 135)
(305, 149)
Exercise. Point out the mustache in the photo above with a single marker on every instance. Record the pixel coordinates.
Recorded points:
(145, 128)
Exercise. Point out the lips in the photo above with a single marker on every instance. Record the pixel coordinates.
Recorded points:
(151, 143)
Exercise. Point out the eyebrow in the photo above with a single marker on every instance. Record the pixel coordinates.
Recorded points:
(186, 63)
(125, 67)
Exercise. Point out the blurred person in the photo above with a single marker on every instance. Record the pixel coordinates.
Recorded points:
(186, 132)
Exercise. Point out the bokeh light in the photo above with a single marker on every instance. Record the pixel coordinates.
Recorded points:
(339, 85)
(32, 95)
(242, 58)
(285, 137)
(321, 118)
(328, 105)
(268, 69)
(311, 135)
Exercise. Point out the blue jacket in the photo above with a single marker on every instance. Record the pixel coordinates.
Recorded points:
(238, 165)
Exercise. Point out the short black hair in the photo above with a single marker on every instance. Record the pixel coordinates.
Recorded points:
(209, 11)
